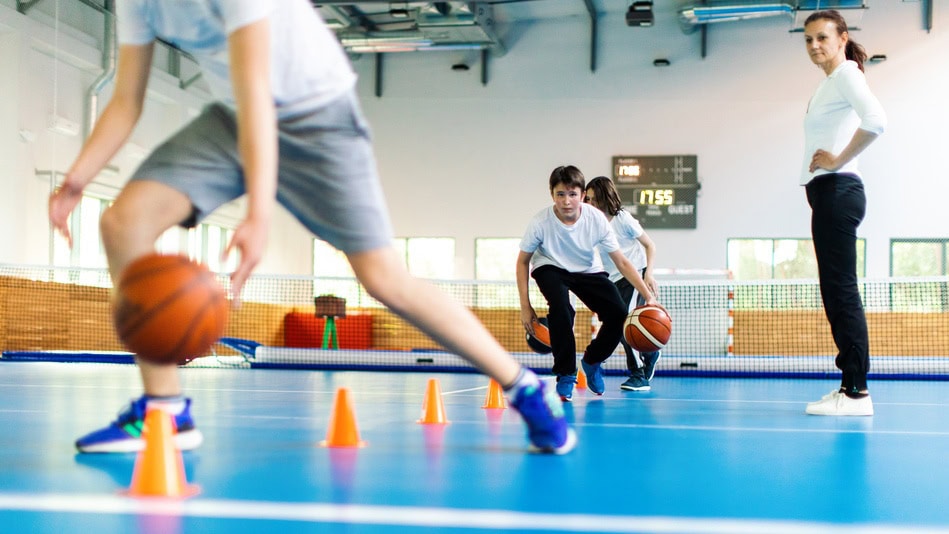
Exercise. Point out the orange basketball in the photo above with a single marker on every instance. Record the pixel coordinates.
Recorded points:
(540, 341)
(169, 309)
(648, 328)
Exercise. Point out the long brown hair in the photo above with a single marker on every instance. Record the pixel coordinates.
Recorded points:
(855, 51)
(606, 195)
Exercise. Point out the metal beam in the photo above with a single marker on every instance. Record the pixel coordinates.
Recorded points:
(484, 66)
(928, 14)
(594, 30)
(704, 40)
(25, 5)
(379, 64)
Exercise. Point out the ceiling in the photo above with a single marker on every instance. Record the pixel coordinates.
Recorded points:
(380, 26)
(399, 26)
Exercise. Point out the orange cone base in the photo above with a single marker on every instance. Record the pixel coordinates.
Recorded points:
(342, 430)
(495, 398)
(189, 490)
(159, 469)
(581, 379)
(433, 410)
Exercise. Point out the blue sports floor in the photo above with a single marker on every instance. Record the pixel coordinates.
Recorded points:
(711, 455)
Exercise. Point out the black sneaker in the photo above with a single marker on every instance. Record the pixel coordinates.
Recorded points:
(649, 363)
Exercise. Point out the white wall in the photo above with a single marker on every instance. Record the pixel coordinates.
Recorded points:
(463, 160)
(470, 161)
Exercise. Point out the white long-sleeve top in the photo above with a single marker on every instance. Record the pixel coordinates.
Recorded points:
(842, 103)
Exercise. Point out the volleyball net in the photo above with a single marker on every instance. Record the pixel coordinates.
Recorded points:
(720, 326)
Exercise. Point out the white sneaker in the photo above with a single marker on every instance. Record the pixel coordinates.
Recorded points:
(832, 395)
(836, 403)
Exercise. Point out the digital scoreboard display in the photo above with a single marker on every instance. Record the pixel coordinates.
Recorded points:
(660, 191)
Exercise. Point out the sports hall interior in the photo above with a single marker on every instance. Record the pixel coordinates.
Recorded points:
(466, 135)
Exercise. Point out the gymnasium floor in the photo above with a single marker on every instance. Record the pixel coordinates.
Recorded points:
(693, 455)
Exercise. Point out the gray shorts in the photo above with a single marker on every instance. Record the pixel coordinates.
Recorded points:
(327, 175)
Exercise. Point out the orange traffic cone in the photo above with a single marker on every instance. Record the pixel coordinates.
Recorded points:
(433, 411)
(495, 396)
(159, 469)
(342, 431)
(581, 379)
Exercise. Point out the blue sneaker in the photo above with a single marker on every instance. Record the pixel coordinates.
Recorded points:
(542, 411)
(565, 385)
(649, 363)
(125, 433)
(594, 377)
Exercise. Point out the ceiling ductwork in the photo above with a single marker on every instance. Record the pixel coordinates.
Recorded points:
(379, 27)
(692, 18)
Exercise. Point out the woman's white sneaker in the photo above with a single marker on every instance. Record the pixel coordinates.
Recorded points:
(837, 403)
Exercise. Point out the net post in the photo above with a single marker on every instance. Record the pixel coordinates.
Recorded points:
(730, 337)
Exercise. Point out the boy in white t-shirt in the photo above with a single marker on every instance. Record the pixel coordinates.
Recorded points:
(285, 125)
(559, 251)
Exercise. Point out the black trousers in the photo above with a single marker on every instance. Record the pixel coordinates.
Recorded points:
(626, 290)
(838, 205)
(600, 295)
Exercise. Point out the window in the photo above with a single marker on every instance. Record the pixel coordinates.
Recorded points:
(87, 250)
(786, 259)
(495, 258)
(918, 257)
(204, 243)
(923, 258)
(429, 257)
(425, 257)
(779, 259)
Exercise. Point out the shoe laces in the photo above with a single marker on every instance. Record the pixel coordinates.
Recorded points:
(131, 413)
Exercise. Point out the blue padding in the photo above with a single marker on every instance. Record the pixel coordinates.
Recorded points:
(68, 356)
(244, 346)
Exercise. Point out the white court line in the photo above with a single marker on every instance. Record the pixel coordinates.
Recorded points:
(412, 516)
(708, 428)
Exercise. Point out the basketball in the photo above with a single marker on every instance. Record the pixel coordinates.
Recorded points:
(540, 341)
(168, 309)
(648, 328)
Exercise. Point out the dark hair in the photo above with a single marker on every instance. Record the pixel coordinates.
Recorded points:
(569, 176)
(606, 195)
(855, 52)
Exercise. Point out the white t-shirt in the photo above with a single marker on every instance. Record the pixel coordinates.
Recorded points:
(308, 66)
(570, 247)
(841, 104)
(628, 231)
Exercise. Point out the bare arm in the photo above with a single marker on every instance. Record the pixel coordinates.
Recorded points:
(109, 134)
(528, 315)
(823, 159)
(650, 247)
(249, 48)
(629, 272)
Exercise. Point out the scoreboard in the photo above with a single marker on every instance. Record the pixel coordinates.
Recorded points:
(660, 191)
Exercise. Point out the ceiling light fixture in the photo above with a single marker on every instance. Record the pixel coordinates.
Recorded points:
(399, 10)
(640, 14)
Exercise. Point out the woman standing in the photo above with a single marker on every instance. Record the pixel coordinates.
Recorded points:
(843, 118)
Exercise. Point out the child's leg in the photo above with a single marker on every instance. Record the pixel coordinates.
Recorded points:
(129, 230)
(130, 227)
(553, 284)
(452, 325)
(604, 299)
(627, 291)
(446, 321)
